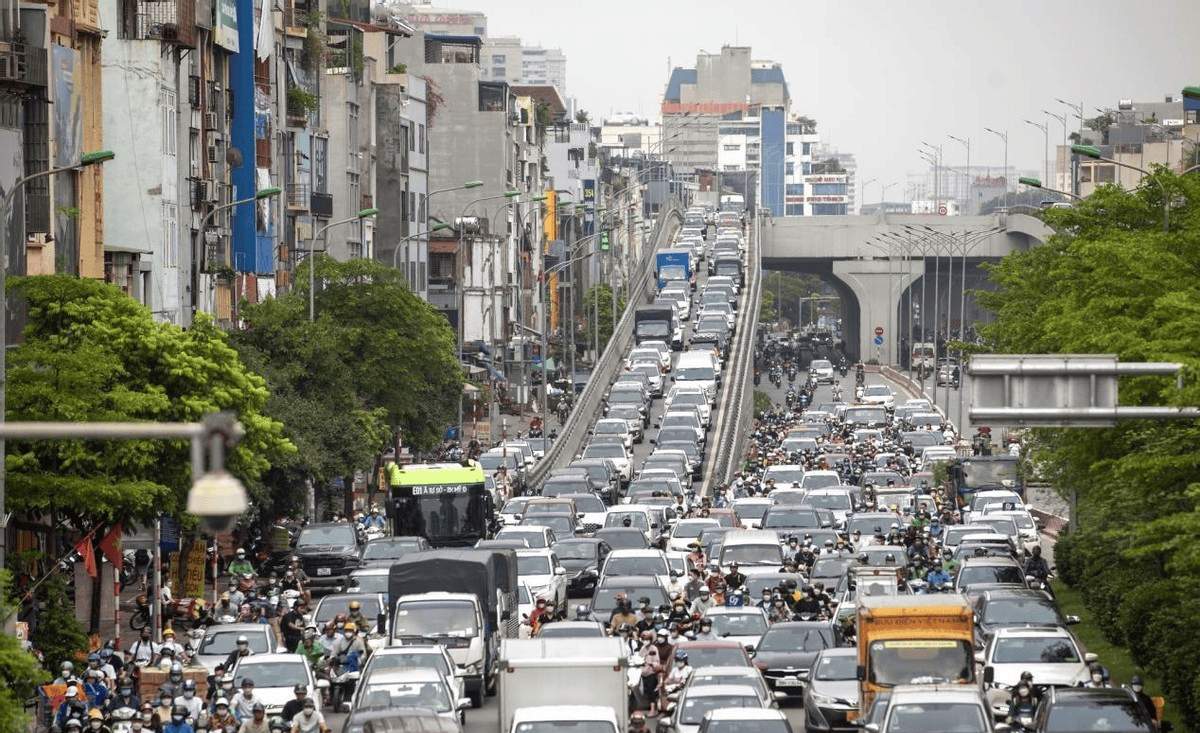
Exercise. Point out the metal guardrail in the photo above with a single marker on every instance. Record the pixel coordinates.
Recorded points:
(737, 396)
(591, 400)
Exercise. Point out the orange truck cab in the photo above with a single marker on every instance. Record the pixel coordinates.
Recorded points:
(913, 640)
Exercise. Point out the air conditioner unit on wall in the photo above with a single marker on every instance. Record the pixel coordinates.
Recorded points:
(210, 121)
(214, 153)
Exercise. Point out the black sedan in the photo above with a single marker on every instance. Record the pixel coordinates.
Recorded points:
(786, 652)
(582, 557)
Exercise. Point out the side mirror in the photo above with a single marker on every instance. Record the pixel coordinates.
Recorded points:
(463, 704)
(1090, 657)
(322, 684)
(871, 728)
(860, 673)
(560, 571)
(381, 622)
(989, 675)
(1072, 620)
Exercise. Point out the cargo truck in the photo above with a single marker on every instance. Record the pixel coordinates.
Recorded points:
(547, 685)
(674, 265)
(657, 323)
(465, 600)
(913, 640)
(973, 474)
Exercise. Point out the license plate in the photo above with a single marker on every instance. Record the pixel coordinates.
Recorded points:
(851, 715)
(323, 571)
(788, 683)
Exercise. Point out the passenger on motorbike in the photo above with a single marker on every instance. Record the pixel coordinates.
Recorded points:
(350, 650)
(221, 715)
(1036, 566)
(309, 720)
(242, 649)
(190, 701)
(95, 722)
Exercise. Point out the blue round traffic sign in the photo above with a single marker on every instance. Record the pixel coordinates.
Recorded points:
(879, 341)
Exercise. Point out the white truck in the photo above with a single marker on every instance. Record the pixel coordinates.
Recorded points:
(546, 683)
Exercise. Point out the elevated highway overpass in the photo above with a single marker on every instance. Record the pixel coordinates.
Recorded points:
(897, 272)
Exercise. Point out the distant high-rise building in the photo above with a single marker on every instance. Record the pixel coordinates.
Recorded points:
(507, 59)
(721, 90)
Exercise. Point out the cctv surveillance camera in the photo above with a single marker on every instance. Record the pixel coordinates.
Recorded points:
(218, 499)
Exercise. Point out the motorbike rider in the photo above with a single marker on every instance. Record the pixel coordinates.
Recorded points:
(705, 632)
(146, 717)
(675, 679)
(1098, 678)
(126, 696)
(937, 576)
(292, 582)
(311, 648)
(309, 720)
(1138, 687)
(1021, 706)
(73, 707)
(1036, 566)
(734, 579)
(295, 706)
(169, 642)
(356, 615)
(637, 722)
(703, 602)
(374, 519)
(240, 565)
(146, 652)
(255, 721)
(651, 668)
(221, 715)
(779, 610)
(247, 703)
(166, 707)
(349, 650)
(190, 701)
(236, 596)
(808, 605)
(242, 649)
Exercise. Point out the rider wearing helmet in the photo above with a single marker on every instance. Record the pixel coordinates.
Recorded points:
(355, 614)
(178, 722)
(190, 701)
(240, 565)
(676, 678)
(241, 650)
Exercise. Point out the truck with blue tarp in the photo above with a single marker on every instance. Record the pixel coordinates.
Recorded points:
(675, 265)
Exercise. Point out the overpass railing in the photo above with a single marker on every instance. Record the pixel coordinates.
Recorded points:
(589, 405)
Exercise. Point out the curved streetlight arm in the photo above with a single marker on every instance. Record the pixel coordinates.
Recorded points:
(1088, 151)
(312, 266)
(402, 240)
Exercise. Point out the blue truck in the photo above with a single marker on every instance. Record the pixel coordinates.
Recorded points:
(675, 265)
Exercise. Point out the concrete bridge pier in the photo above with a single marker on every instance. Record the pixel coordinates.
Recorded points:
(877, 285)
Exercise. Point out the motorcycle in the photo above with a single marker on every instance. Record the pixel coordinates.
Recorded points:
(343, 679)
(140, 617)
(859, 391)
(757, 377)
(843, 368)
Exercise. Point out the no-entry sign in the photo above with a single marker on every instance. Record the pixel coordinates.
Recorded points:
(879, 330)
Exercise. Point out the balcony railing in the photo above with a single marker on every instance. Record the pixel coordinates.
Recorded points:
(299, 196)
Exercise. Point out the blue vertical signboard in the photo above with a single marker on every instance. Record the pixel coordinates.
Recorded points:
(244, 248)
(772, 160)
(589, 201)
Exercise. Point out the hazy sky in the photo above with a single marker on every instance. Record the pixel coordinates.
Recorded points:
(881, 76)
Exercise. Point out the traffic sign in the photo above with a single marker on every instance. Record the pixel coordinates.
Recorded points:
(942, 210)
(879, 341)
(879, 330)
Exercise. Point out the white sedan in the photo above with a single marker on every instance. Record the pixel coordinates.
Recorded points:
(879, 394)
(544, 574)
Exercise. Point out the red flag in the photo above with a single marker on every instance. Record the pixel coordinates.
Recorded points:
(84, 548)
(111, 547)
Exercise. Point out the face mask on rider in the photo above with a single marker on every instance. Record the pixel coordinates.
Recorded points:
(96, 723)
(189, 694)
(135, 725)
(349, 635)
(1023, 691)
(1097, 677)
(147, 716)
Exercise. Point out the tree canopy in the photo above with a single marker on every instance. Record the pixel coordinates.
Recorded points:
(377, 358)
(93, 354)
(1111, 281)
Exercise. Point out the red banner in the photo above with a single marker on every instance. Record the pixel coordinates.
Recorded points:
(111, 547)
(84, 548)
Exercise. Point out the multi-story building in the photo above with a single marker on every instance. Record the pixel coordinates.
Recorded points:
(508, 59)
(700, 100)
(1139, 134)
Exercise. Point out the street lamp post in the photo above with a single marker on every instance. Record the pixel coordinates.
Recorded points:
(436, 228)
(1003, 136)
(1078, 109)
(85, 160)
(312, 265)
(552, 270)
(196, 258)
(966, 143)
(1089, 151)
(1062, 120)
(1045, 128)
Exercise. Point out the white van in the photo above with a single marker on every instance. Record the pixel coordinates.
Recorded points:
(750, 548)
(701, 368)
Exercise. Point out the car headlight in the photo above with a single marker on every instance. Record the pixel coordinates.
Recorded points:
(822, 700)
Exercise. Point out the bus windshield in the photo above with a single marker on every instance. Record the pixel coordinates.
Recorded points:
(920, 662)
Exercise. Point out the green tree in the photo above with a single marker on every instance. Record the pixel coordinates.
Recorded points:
(377, 358)
(20, 673)
(57, 635)
(1111, 281)
(92, 353)
(600, 296)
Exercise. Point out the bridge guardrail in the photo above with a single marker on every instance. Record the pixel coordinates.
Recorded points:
(590, 403)
(736, 409)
